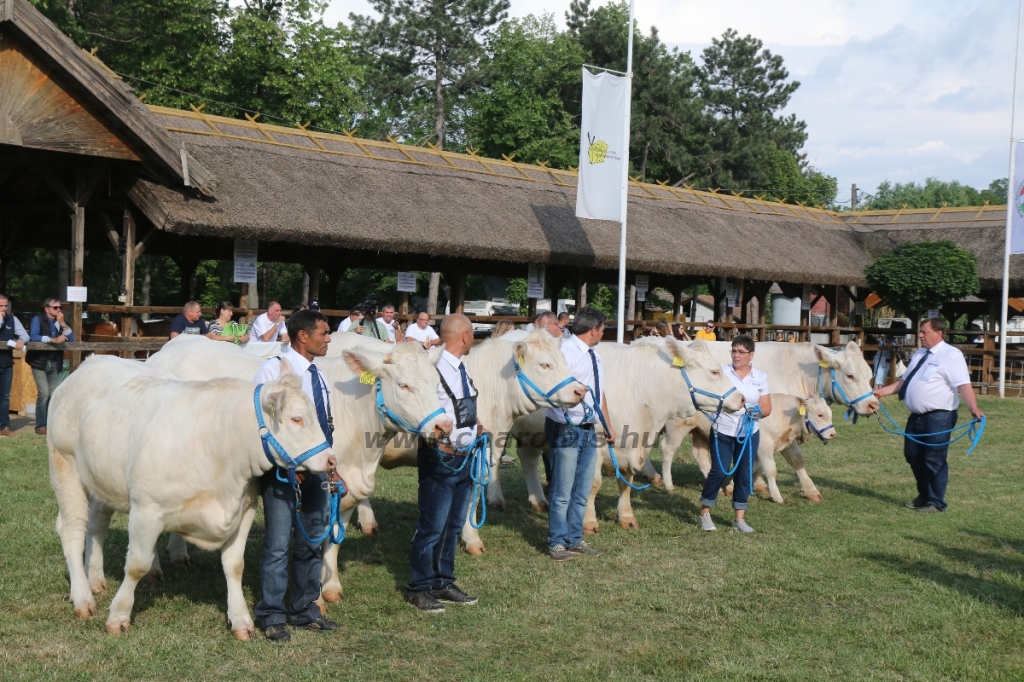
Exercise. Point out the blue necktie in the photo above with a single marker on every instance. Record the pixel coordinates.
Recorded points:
(597, 379)
(907, 379)
(321, 409)
(465, 381)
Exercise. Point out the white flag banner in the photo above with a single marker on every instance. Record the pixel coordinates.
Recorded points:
(603, 146)
(1017, 185)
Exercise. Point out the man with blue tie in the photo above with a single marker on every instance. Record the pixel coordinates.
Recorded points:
(936, 374)
(309, 334)
(571, 436)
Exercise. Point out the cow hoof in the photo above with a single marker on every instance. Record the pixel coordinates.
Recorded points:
(332, 596)
(182, 562)
(498, 505)
(590, 528)
(154, 577)
(814, 496)
(539, 506)
(87, 611)
(658, 482)
(728, 489)
(98, 586)
(476, 550)
(118, 627)
(626, 524)
(670, 488)
(370, 529)
(761, 489)
(244, 633)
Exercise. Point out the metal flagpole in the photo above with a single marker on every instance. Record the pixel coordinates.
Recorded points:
(620, 329)
(1010, 202)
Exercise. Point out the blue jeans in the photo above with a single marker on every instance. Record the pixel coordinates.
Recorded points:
(46, 383)
(444, 505)
(728, 450)
(6, 377)
(573, 458)
(929, 463)
(279, 518)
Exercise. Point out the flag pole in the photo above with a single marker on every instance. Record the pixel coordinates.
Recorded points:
(1010, 203)
(620, 329)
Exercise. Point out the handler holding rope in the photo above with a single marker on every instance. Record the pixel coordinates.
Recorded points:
(309, 334)
(735, 436)
(936, 373)
(444, 475)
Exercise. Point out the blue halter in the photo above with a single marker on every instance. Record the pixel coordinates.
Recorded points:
(812, 429)
(387, 414)
(693, 397)
(476, 457)
(270, 442)
(527, 386)
(835, 388)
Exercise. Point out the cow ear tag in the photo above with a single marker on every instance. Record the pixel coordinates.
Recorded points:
(678, 362)
(521, 360)
(802, 411)
(824, 364)
(367, 378)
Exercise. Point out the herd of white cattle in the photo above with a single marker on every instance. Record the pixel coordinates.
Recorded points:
(175, 441)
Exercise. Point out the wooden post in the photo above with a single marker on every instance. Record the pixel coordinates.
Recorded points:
(457, 301)
(531, 308)
(243, 303)
(403, 302)
(581, 289)
(128, 259)
(77, 276)
(677, 303)
(312, 269)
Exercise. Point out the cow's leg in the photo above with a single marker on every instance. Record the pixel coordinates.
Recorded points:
(365, 517)
(701, 452)
(495, 498)
(795, 456)
(651, 474)
(670, 443)
(96, 534)
(72, 518)
(626, 518)
(471, 537)
(144, 528)
(590, 525)
(232, 559)
(766, 460)
(530, 458)
(177, 548)
(330, 579)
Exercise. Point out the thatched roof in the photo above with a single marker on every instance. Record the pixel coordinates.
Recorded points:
(281, 184)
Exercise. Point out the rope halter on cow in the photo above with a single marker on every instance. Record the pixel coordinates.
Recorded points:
(335, 486)
(387, 415)
(835, 388)
(811, 428)
(694, 391)
(528, 385)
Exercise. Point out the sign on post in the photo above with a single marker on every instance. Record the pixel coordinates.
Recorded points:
(805, 300)
(730, 296)
(641, 295)
(535, 281)
(407, 282)
(642, 282)
(604, 146)
(77, 294)
(245, 261)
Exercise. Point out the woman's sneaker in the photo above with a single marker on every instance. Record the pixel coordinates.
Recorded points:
(560, 553)
(453, 595)
(706, 523)
(425, 602)
(742, 526)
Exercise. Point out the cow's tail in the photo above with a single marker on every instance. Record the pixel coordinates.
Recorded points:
(72, 519)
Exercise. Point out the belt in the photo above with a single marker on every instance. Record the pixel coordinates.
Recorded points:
(925, 414)
(446, 449)
(589, 426)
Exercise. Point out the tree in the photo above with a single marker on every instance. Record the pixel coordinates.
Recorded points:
(915, 277)
(786, 181)
(422, 56)
(934, 193)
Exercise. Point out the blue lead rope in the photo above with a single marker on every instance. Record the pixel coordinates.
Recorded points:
(528, 385)
(479, 472)
(834, 388)
(611, 446)
(973, 429)
(386, 414)
(746, 442)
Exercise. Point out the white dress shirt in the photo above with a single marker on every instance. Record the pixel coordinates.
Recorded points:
(271, 371)
(752, 386)
(262, 324)
(935, 386)
(345, 324)
(391, 330)
(414, 332)
(577, 357)
(449, 369)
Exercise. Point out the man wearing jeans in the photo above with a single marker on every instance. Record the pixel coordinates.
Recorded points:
(47, 327)
(571, 436)
(12, 338)
(936, 374)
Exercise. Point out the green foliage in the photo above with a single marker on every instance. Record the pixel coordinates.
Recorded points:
(516, 293)
(788, 182)
(915, 277)
(934, 193)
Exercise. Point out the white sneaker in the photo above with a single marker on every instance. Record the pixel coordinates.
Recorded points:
(505, 459)
(706, 523)
(742, 526)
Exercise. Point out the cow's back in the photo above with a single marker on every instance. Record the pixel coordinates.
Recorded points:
(198, 359)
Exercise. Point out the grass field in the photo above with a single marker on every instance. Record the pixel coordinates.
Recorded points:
(855, 588)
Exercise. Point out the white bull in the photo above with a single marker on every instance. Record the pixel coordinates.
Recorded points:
(794, 369)
(503, 400)
(645, 389)
(126, 437)
(409, 382)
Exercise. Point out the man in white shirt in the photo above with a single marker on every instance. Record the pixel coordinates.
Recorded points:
(753, 384)
(572, 438)
(422, 332)
(310, 335)
(937, 373)
(270, 326)
(387, 318)
(354, 318)
(444, 483)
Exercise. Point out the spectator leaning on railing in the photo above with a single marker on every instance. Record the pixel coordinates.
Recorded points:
(47, 327)
(189, 321)
(224, 329)
(270, 325)
(12, 337)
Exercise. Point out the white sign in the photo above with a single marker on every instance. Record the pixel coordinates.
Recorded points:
(641, 295)
(407, 282)
(805, 300)
(730, 295)
(604, 146)
(535, 281)
(642, 282)
(858, 308)
(77, 294)
(245, 261)
(932, 313)
(1016, 199)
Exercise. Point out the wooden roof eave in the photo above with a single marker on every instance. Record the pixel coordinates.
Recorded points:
(91, 79)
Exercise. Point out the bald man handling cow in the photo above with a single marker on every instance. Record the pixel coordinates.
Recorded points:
(324, 416)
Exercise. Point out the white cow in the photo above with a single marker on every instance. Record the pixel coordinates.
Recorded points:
(794, 369)
(503, 400)
(409, 382)
(125, 437)
(645, 389)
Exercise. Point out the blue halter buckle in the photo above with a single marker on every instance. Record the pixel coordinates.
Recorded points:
(387, 414)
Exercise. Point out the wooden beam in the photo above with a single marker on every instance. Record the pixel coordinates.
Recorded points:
(77, 273)
(128, 257)
(59, 187)
(112, 234)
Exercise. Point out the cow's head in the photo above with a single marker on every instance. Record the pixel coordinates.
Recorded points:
(853, 374)
(291, 417)
(819, 414)
(541, 360)
(704, 372)
(409, 382)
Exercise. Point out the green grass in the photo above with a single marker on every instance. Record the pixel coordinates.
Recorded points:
(855, 588)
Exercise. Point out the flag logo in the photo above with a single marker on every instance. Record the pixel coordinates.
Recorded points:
(1020, 200)
(597, 150)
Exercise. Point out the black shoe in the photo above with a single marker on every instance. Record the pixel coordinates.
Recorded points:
(424, 601)
(277, 633)
(453, 595)
(928, 509)
(583, 549)
(913, 505)
(321, 624)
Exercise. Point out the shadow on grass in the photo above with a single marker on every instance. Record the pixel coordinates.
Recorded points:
(857, 490)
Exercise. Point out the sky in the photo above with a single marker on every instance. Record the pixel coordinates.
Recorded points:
(896, 90)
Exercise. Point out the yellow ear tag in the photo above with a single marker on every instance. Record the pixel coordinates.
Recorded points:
(521, 360)
(802, 411)
(678, 362)
(368, 378)
(824, 364)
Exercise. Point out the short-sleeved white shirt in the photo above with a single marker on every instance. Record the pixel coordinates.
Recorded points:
(581, 366)
(271, 371)
(391, 330)
(262, 324)
(422, 335)
(344, 325)
(752, 386)
(935, 386)
(448, 367)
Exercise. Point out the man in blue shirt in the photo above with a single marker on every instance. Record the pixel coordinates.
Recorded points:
(47, 327)
(190, 321)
